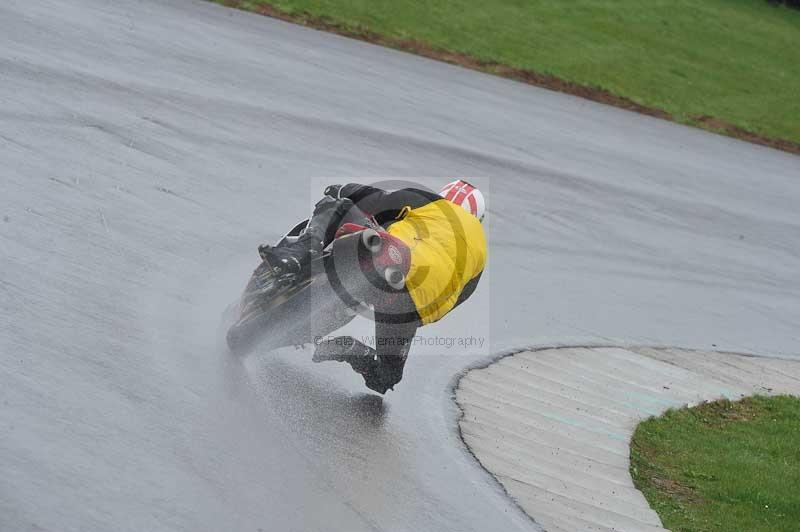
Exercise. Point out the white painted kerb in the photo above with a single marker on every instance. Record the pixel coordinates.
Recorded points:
(553, 426)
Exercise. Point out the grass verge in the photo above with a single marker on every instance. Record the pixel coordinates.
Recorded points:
(722, 466)
(730, 66)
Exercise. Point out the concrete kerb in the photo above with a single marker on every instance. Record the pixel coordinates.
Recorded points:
(575, 486)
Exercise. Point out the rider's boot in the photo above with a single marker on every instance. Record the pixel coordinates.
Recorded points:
(378, 375)
(283, 260)
(294, 259)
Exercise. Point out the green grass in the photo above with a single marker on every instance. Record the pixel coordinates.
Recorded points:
(722, 466)
(736, 60)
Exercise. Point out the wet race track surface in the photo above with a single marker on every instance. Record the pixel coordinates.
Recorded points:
(147, 147)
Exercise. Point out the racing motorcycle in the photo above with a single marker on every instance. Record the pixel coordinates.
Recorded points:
(279, 310)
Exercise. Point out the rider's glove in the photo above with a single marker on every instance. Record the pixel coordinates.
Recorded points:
(333, 191)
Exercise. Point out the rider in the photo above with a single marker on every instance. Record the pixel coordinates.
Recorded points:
(435, 239)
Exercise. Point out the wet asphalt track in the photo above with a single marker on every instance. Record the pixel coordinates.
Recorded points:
(146, 147)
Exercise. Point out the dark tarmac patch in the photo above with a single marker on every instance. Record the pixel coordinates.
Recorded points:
(530, 77)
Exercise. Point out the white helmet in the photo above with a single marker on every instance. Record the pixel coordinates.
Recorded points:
(462, 193)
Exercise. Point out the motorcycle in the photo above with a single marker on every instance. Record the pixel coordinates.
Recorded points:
(280, 310)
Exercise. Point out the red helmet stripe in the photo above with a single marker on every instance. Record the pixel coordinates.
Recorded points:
(458, 197)
(465, 195)
(463, 190)
(473, 205)
(451, 193)
(450, 185)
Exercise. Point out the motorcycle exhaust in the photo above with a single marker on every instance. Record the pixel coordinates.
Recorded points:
(394, 278)
(371, 241)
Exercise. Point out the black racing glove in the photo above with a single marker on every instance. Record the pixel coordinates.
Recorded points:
(333, 191)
